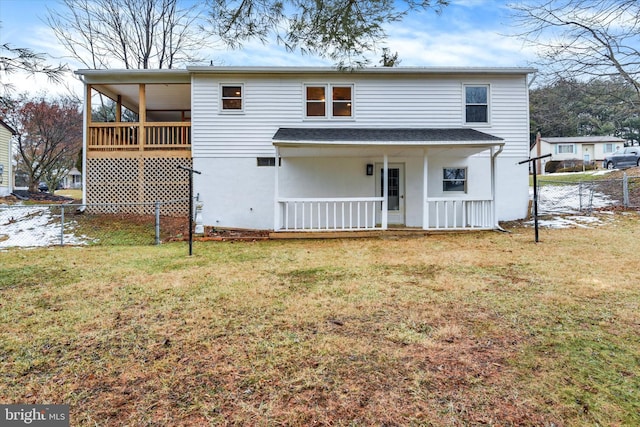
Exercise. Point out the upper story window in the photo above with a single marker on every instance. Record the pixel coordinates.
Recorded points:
(329, 101)
(565, 149)
(476, 101)
(231, 97)
(316, 100)
(341, 99)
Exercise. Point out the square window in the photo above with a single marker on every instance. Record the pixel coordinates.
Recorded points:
(232, 98)
(476, 100)
(454, 179)
(328, 101)
(608, 148)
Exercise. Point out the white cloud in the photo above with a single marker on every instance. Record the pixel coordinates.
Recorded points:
(469, 48)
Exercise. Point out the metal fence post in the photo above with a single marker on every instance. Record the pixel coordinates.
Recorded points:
(580, 195)
(157, 222)
(61, 225)
(625, 190)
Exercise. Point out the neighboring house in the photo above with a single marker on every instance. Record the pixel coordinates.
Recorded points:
(296, 148)
(6, 161)
(73, 179)
(583, 148)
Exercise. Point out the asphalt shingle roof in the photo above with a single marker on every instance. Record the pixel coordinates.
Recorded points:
(381, 135)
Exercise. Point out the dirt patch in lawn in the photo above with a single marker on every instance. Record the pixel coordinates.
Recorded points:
(37, 197)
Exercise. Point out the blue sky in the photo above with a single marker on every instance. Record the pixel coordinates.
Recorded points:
(467, 33)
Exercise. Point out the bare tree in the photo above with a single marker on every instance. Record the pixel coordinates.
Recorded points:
(341, 30)
(23, 60)
(584, 38)
(132, 34)
(49, 137)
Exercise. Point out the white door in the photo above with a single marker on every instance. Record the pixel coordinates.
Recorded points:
(395, 198)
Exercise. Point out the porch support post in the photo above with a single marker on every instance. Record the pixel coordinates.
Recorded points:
(142, 139)
(385, 192)
(119, 109)
(494, 155)
(425, 191)
(86, 119)
(142, 116)
(276, 194)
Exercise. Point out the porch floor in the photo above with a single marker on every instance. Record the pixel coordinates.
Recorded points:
(392, 232)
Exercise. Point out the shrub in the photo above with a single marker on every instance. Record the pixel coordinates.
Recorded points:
(573, 165)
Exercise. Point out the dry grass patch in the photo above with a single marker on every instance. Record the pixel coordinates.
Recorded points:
(467, 329)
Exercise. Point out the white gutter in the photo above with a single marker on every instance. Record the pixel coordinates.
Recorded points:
(369, 70)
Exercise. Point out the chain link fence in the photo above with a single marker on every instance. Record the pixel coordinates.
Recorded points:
(588, 196)
(33, 225)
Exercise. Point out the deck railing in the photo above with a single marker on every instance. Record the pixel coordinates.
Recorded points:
(446, 213)
(328, 214)
(164, 136)
(125, 136)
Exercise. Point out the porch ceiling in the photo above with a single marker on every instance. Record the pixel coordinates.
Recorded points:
(311, 142)
(165, 101)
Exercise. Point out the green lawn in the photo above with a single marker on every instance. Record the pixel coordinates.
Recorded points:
(484, 328)
(75, 194)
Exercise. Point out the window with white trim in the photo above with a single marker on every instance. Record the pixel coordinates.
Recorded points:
(476, 103)
(231, 97)
(316, 101)
(609, 148)
(565, 149)
(454, 179)
(329, 101)
(341, 100)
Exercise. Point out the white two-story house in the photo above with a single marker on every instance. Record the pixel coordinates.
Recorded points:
(317, 149)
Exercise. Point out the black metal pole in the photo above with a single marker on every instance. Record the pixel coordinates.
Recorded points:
(191, 214)
(535, 200)
(191, 172)
(535, 190)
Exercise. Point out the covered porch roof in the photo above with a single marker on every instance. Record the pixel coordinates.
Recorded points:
(307, 141)
(167, 92)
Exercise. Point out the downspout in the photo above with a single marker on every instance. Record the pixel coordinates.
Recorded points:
(276, 193)
(85, 125)
(493, 187)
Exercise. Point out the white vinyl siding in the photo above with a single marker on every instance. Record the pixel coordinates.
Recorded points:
(275, 101)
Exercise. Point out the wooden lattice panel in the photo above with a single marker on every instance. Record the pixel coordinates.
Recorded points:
(133, 185)
(163, 181)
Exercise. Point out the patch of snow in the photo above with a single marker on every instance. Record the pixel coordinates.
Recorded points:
(573, 221)
(569, 199)
(33, 226)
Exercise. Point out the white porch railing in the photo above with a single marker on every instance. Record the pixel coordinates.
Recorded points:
(328, 214)
(446, 213)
